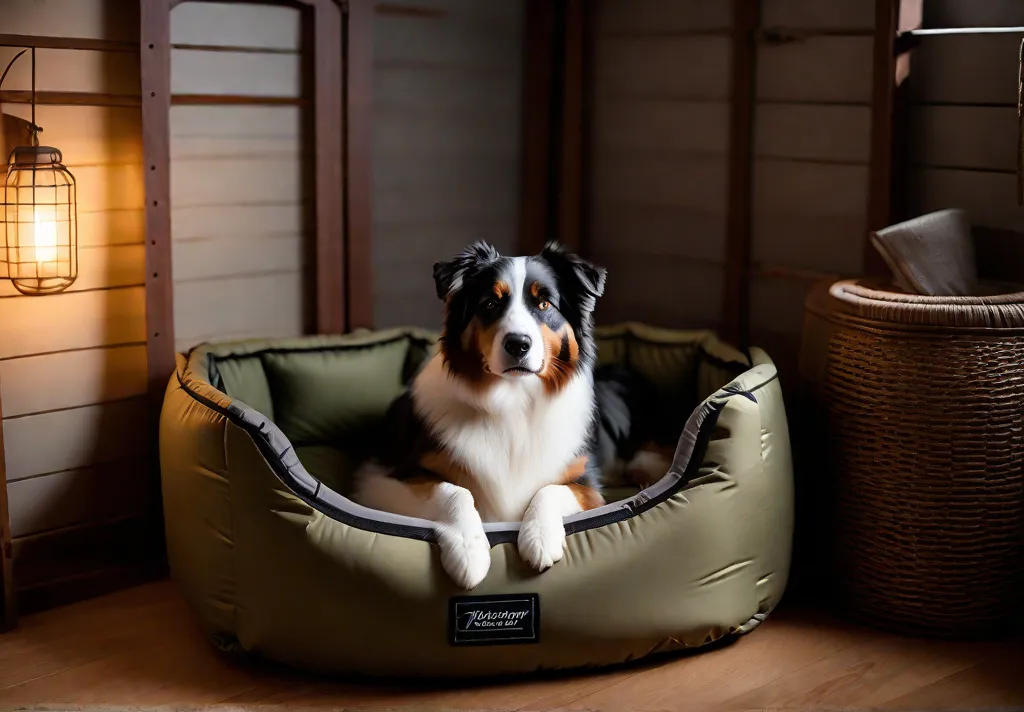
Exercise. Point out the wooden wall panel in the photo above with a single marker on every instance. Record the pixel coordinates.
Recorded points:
(74, 497)
(86, 19)
(73, 70)
(656, 158)
(684, 67)
(813, 132)
(982, 137)
(74, 438)
(72, 379)
(73, 320)
(966, 69)
(817, 69)
(446, 145)
(812, 149)
(843, 15)
(229, 24)
(221, 73)
(963, 124)
(241, 196)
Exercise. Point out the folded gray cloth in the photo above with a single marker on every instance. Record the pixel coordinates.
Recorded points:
(932, 254)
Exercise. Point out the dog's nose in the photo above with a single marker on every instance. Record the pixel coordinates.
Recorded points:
(517, 344)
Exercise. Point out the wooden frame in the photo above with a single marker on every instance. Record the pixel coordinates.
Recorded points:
(736, 296)
(340, 93)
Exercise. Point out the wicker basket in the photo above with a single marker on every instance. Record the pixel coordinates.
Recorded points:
(923, 411)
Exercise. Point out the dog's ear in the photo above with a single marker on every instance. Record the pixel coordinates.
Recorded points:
(573, 270)
(448, 276)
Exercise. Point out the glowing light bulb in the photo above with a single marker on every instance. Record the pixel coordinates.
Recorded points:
(45, 234)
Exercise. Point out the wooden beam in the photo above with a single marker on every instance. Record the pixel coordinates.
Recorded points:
(736, 297)
(570, 154)
(536, 201)
(8, 602)
(81, 43)
(155, 76)
(880, 171)
(69, 98)
(358, 185)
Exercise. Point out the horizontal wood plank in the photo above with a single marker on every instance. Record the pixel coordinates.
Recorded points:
(452, 41)
(957, 13)
(660, 125)
(965, 136)
(266, 305)
(651, 230)
(207, 72)
(237, 25)
(72, 379)
(825, 69)
(990, 199)
(72, 70)
(966, 69)
(76, 497)
(105, 188)
(231, 181)
(778, 304)
(672, 293)
(75, 438)
(624, 17)
(813, 132)
(808, 189)
(252, 219)
(403, 247)
(100, 268)
(239, 254)
(685, 182)
(73, 320)
(236, 121)
(830, 15)
(87, 135)
(442, 137)
(110, 227)
(830, 243)
(694, 68)
(416, 91)
(90, 19)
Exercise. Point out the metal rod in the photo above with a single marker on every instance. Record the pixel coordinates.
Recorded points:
(35, 132)
(965, 31)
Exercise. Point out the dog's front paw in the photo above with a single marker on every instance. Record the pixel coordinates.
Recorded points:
(541, 537)
(465, 555)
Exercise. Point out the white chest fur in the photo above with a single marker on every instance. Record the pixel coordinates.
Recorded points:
(514, 437)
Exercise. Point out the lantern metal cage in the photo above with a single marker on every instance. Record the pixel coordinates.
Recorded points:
(40, 214)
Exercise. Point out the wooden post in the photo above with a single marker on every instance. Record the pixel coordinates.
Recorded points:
(736, 297)
(359, 162)
(8, 599)
(570, 138)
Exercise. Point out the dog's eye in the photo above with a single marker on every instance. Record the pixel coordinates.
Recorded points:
(490, 304)
(543, 304)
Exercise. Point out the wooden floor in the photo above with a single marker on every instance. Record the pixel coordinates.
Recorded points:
(141, 647)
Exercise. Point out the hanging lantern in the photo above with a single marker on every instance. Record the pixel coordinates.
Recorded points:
(42, 221)
(40, 218)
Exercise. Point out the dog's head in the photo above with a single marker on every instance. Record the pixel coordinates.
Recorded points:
(518, 317)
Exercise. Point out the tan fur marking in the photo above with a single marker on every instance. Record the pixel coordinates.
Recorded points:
(445, 468)
(501, 289)
(535, 289)
(587, 497)
(575, 470)
(423, 486)
(556, 372)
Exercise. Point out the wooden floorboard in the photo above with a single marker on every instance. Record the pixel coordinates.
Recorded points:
(142, 647)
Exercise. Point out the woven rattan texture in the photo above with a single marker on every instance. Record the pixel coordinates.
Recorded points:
(926, 431)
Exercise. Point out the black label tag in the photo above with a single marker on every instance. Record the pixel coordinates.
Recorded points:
(494, 620)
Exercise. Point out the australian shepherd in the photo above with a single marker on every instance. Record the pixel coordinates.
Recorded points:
(501, 425)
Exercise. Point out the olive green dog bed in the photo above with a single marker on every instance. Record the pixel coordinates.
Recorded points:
(258, 439)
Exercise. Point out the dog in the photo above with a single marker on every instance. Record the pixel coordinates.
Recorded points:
(502, 423)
